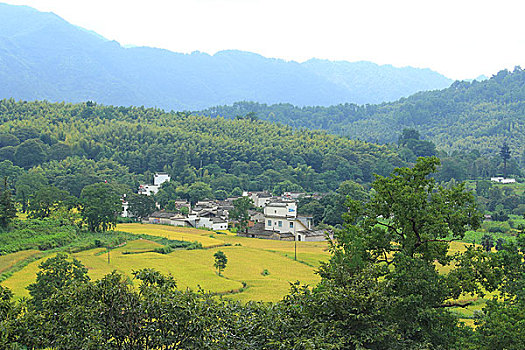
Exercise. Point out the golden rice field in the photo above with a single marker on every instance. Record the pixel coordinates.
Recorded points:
(8, 261)
(243, 278)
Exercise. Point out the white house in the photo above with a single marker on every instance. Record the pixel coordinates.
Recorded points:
(502, 180)
(282, 222)
(158, 179)
(214, 224)
(125, 206)
(148, 190)
(260, 199)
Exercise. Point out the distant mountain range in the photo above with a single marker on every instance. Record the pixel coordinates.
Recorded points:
(44, 57)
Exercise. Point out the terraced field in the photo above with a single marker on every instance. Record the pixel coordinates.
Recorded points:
(243, 279)
(257, 269)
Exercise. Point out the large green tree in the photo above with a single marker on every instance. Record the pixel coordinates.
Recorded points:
(7, 205)
(100, 206)
(240, 212)
(388, 252)
(56, 273)
(141, 205)
(28, 184)
(47, 200)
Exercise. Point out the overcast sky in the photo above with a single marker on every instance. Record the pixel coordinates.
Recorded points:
(461, 39)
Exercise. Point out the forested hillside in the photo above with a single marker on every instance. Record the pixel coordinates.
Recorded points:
(466, 116)
(44, 57)
(74, 145)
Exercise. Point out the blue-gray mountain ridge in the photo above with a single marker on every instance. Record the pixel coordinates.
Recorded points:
(46, 58)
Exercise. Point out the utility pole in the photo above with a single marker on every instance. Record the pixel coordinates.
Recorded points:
(295, 248)
(295, 242)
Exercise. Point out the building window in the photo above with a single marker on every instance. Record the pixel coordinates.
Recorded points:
(269, 222)
(280, 224)
(291, 224)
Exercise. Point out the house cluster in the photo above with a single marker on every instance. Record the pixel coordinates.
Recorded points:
(279, 219)
(275, 217)
(502, 180)
(212, 215)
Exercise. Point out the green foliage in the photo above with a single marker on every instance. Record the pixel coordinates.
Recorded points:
(220, 261)
(140, 205)
(7, 206)
(164, 250)
(47, 200)
(127, 145)
(464, 117)
(36, 234)
(240, 212)
(487, 242)
(386, 253)
(56, 273)
(28, 184)
(101, 205)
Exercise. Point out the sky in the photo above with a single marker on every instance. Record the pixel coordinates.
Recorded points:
(461, 39)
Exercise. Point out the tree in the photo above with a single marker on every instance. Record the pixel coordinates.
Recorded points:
(487, 242)
(100, 206)
(56, 273)
(240, 212)
(30, 153)
(7, 206)
(505, 155)
(28, 184)
(198, 191)
(220, 261)
(408, 134)
(47, 200)
(12, 172)
(393, 242)
(500, 244)
(141, 205)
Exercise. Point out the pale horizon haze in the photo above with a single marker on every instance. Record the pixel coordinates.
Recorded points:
(459, 39)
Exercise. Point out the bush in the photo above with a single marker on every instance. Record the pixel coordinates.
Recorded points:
(194, 245)
(42, 234)
(163, 250)
(493, 227)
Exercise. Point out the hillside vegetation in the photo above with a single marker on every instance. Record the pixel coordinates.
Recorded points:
(466, 116)
(74, 145)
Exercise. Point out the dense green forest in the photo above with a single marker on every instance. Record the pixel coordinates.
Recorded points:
(74, 145)
(465, 117)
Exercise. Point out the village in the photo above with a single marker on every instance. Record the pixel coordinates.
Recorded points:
(272, 217)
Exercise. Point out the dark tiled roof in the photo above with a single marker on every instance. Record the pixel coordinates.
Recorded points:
(162, 214)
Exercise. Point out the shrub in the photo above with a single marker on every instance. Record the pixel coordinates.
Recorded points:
(163, 250)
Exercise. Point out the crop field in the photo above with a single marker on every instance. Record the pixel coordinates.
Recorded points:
(172, 232)
(21, 279)
(10, 260)
(257, 269)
